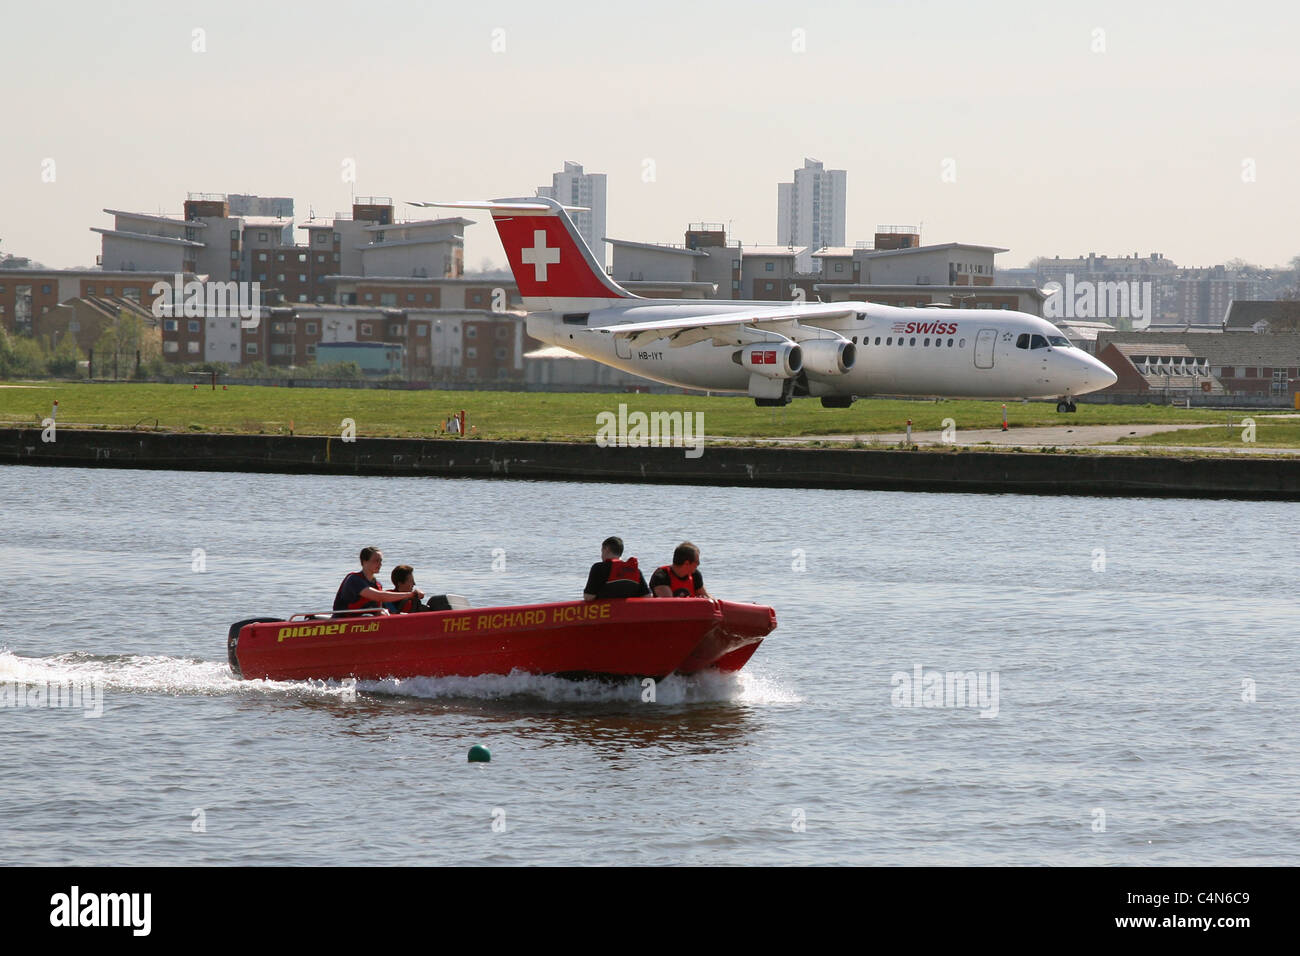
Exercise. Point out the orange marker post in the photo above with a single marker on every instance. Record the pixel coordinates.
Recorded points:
(1004, 417)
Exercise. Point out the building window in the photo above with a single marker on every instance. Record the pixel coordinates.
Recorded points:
(194, 325)
(311, 350)
(421, 330)
(471, 372)
(250, 348)
(261, 257)
(769, 267)
(302, 257)
(310, 328)
(279, 257)
(192, 348)
(388, 300)
(277, 328)
(171, 346)
(500, 355)
(169, 325)
(279, 277)
(108, 290)
(471, 332)
(365, 328)
(394, 329)
(428, 297)
(839, 267)
(45, 290)
(471, 352)
(261, 237)
(336, 257)
(302, 277)
(320, 258)
(501, 331)
(234, 275)
(370, 297)
(410, 297)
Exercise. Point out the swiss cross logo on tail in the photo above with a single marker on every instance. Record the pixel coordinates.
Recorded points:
(540, 255)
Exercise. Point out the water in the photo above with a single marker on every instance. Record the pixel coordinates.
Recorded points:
(1120, 736)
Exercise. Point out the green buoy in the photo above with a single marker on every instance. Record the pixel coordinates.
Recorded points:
(479, 754)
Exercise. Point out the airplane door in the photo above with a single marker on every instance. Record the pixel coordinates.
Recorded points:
(984, 343)
(622, 347)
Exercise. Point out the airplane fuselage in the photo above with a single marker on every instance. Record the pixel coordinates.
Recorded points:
(959, 353)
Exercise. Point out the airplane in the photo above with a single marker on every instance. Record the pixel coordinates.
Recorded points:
(837, 351)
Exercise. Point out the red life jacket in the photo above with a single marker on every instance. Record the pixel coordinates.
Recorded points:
(623, 570)
(677, 585)
(362, 602)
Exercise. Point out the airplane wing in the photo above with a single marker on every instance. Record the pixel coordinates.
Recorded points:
(723, 326)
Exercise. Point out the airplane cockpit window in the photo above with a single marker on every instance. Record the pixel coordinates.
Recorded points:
(1038, 342)
(1059, 341)
(1022, 341)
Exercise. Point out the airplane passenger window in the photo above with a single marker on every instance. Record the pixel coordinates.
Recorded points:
(960, 345)
(913, 342)
(888, 341)
(1022, 340)
(877, 339)
(950, 343)
(1038, 342)
(927, 343)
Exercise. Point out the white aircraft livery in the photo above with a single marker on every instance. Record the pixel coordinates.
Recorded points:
(834, 351)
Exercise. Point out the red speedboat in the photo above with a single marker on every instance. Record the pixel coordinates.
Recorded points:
(642, 637)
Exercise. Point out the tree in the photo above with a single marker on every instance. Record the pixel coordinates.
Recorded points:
(117, 346)
(21, 356)
(65, 358)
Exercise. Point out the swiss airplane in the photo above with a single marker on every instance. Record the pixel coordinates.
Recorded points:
(835, 351)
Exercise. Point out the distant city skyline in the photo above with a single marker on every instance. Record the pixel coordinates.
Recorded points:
(1048, 131)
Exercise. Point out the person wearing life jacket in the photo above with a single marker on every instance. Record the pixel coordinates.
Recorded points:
(360, 589)
(403, 577)
(612, 577)
(682, 578)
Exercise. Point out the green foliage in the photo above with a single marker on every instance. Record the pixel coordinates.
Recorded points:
(116, 348)
(21, 356)
(63, 361)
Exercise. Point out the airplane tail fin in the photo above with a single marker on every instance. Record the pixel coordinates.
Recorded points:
(553, 267)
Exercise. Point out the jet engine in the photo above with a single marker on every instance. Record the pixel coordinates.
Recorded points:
(771, 359)
(828, 356)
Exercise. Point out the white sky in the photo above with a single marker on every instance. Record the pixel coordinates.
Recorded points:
(1057, 149)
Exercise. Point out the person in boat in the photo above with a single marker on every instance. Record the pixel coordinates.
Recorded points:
(403, 578)
(360, 589)
(612, 577)
(682, 578)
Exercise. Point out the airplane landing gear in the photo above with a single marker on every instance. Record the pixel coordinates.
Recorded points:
(1065, 405)
(773, 402)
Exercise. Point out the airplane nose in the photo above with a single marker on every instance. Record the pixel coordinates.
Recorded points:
(1093, 375)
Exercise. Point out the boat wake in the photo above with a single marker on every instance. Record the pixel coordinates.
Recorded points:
(189, 677)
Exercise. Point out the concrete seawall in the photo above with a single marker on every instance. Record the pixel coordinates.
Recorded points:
(773, 467)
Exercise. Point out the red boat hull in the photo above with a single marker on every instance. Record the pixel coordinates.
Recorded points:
(650, 637)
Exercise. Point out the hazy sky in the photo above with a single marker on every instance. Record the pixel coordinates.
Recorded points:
(1109, 127)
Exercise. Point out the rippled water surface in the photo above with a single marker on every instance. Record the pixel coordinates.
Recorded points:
(1147, 705)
